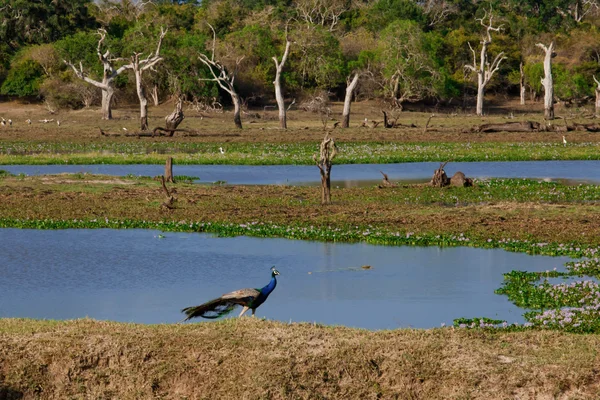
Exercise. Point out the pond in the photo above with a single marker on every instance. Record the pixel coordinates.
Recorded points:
(344, 175)
(139, 276)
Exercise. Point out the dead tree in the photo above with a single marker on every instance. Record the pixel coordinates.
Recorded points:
(173, 120)
(386, 121)
(169, 170)
(386, 181)
(547, 81)
(521, 84)
(224, 79)
(485, 71)
(277, 84)
(352, 83)
(139, 66)
(108, 76)
(427, 123)
(328, 151)
(440, 179)
(597, 96)
(169, 198)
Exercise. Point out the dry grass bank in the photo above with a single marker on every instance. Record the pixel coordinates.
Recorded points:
(254, 359)
(262, 126)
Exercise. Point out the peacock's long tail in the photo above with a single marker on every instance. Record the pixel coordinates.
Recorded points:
(212, 309)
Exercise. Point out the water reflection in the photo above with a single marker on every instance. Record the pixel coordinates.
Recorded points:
(132, 275)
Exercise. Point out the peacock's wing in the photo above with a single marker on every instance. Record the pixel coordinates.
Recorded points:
(221, 306)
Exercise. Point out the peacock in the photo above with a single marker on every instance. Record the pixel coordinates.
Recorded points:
(247, 298)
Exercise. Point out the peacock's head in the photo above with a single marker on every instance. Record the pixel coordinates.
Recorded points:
(274, 272)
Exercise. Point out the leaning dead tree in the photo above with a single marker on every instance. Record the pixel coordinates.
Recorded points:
(597, 96)
(547, 81)
(139, 66)
(173, 120)
(108, 76)
(224, 79)
(485, 70)
(352, 83)
(277, 84)
(327, 153)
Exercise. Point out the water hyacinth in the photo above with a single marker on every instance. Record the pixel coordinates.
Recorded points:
(23, 152)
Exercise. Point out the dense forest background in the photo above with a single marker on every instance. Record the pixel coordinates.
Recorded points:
(405, 50)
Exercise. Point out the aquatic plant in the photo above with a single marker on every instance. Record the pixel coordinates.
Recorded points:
(38, 153)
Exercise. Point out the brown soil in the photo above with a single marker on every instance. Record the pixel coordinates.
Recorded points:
(262, 126)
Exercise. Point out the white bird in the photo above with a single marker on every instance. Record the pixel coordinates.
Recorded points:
(125, 129)
(221, 150)
(45, 120)
(28, 121)
(2, 123)
(58, 122)
(10, 122)
(564, 141)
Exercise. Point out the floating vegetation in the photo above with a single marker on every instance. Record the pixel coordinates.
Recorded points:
(25, 152)
(572, 306)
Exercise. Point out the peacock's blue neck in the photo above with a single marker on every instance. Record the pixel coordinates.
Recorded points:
(269, 288)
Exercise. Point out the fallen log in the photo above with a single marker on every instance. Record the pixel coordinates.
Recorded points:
(587, 127)
(524, 126)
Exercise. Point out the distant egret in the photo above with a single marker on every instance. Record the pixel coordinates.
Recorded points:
(58, 122)
(10, 122)
(221, 150)
(564, 141)
(28, 121)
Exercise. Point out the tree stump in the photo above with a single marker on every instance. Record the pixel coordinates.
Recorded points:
(169, 170)
(328, 151)
(440, 179)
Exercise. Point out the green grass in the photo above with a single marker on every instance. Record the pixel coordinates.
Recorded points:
(42, 153)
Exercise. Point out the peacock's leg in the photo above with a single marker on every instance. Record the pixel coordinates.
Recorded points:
(244, 310)
(253, 311)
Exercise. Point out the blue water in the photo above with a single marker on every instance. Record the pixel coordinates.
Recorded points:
(136, 276)
(342, 175)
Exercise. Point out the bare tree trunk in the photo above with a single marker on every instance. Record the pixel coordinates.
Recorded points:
(480, 94)
(522, 84)
(327, 153)
(141, 95)
(173, 120)
(348, 100)
(155, 95)
(107, 96)
(169, 170)
(277, 83)
(597, 96)
(547, 81)
(237, 110)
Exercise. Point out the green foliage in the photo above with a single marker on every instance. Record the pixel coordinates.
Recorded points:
(23, 79)
(383, 12)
